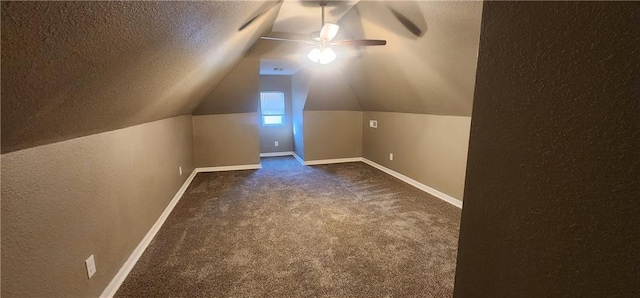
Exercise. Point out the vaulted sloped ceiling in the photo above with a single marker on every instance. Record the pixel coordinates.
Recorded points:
(238, 91)
(429, 63)
(427, 67)
(329, 90)
(72, 69)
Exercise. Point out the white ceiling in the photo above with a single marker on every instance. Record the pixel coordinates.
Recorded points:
(304, 16)
(279, 67)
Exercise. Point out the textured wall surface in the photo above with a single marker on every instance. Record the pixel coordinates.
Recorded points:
(72, 69)
(226, 140)
(551, 197)
(283, 134)
(431, 149)
(95, 195)
(332, 134)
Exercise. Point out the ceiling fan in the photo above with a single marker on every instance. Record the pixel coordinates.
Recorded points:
(322, 40)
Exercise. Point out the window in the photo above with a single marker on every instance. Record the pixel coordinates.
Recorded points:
(272, 108)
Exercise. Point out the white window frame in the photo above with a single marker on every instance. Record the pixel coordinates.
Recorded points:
(282, 116)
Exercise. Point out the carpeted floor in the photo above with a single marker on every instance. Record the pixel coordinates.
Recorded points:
(287, 230)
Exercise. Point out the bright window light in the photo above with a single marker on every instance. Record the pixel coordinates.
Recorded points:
(271, 120)
(272, 108)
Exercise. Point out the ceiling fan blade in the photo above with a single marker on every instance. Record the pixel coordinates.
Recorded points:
(407, 23)
(287, 39)
(360, 42)
(329, 31)
(260, 12)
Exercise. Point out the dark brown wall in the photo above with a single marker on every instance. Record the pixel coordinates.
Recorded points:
(551, 195)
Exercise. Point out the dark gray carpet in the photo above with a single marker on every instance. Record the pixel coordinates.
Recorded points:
(286, 230)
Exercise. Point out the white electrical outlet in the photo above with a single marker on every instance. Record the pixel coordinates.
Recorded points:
(91, 266)
(373, 123)
(180, 170)
(276, 143)
(390, 156)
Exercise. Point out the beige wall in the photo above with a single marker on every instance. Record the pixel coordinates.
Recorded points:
(283, 134)
(299, 91)
(332, 134)
(98, 194)
(431, 149)
(226, 140)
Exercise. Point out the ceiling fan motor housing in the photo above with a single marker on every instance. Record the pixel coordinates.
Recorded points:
(315, 35)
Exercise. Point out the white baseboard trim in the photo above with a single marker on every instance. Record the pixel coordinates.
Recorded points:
(432, 191)
(298, 158)
(229, 168)
(122, 274)
(273, 154)
(330, 161)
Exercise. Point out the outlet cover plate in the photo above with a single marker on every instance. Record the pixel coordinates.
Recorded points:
(91, 266)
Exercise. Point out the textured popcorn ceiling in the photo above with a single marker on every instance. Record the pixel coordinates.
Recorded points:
(71, 69)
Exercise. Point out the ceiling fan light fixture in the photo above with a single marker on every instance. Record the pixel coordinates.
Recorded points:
(322, 56)
(322, 39)
(314, 55)
(327, 56)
